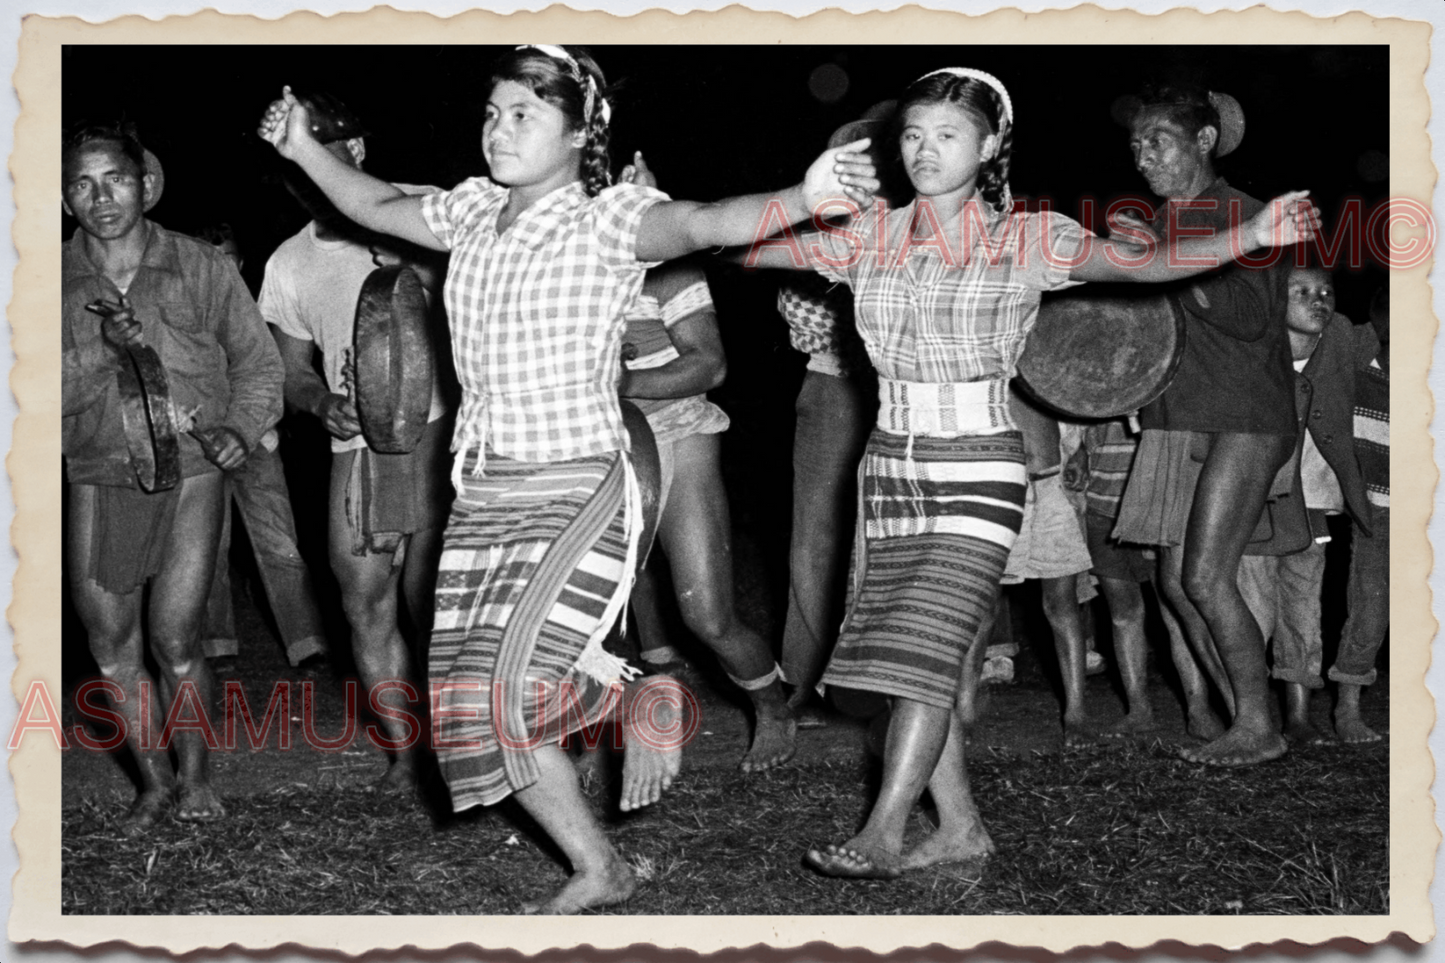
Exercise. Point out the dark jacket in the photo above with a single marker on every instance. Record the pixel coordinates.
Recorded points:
(1325, 405)
(1235, 373)
(195, 311)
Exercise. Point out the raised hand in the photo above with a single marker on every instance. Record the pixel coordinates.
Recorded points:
(1129, 229)
(286, 125)
(638, 173)
(118, 324)
(846, 170)
(1288, 219)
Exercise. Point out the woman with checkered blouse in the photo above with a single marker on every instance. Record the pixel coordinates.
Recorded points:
(540, 548)
(945, 291)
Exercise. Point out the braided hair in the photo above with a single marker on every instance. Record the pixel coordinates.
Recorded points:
(982, 101)
(576, 86)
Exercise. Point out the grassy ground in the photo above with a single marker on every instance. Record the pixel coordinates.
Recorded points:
(1114, 830)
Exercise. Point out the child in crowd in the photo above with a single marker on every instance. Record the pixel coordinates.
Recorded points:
(1283, 588)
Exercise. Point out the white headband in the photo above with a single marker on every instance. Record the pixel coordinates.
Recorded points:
(584, 78)
(972, 74)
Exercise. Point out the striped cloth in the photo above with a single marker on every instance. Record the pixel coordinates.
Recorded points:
(672, 293)
(1372, 431)
(1108, 451)
(939, 517)
(533, 557)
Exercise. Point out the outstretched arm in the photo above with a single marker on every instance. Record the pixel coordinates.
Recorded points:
(673, 229)
(369, 201)
(1288, 219)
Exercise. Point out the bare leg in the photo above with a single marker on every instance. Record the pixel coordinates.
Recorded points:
(1201, 723)
(1186, 623)
(961, 834)
(916, 737)
(177, 610)
(1126, 615)
(369, 585)
(1061, 608)
(969, 707)
(555, 800)
(1297, 725)
(695, 532)
(1349, 725)
(646, 605)
(113, 627)
(1232, 489)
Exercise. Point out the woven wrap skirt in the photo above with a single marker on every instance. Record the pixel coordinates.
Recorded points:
(533, 559)
(937, 518)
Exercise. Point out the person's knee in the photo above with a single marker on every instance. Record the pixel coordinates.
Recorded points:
(369, 606)
(177, 655)
(1126, 603)
(710, 619)
(1059, 599)
(1207, 584)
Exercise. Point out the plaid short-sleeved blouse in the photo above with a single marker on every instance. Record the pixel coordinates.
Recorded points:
(930, 317)
(536, 315)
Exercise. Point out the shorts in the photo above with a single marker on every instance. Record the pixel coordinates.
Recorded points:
(1112, 559)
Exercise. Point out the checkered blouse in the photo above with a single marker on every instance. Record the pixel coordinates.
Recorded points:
(537, 315)
(819, 316)
(927, 318)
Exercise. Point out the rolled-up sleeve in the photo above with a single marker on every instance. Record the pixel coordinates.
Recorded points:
(253, 365)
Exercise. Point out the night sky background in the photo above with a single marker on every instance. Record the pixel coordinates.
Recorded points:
(716, 121)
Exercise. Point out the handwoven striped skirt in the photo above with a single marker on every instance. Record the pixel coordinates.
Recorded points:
(937, 519)
(533, 555)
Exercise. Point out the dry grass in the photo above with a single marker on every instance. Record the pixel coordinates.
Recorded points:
(1114, 830)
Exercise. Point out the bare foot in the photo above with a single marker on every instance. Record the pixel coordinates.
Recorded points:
(1238, 747)
(1303, 732)
(973, 843)
(1204, 724)
(587, 889)
(400, 777)
(148, 807)
(1138, 723)
(853, 861)
(1352, 729)
(652, 747)
(1079, 732)
(775, 738)
(198, 802)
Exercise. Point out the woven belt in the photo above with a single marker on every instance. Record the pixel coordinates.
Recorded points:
(943, 408)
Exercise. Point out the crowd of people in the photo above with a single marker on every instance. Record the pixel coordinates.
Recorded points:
(567, 430)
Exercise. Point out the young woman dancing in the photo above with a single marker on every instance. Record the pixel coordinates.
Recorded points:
(539, 550)
(945, 292)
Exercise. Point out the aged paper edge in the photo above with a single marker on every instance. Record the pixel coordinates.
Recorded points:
(35, 381)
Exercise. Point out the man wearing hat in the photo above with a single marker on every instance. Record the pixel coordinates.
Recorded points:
(131, 288)
(386, 510)
(1213, 442)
